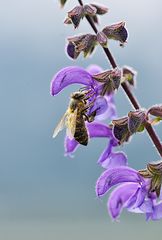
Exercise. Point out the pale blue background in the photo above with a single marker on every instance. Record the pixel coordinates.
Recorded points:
(44, 196)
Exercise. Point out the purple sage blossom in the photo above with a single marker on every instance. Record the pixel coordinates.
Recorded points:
(108, 158)
(70, 75)
(133, 193)
(105, 109)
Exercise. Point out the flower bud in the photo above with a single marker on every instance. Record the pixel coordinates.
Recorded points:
(117, 32)
(75, 16)
(135, 120)
(84, 43)
(154, 172)
(120, 129)
(71, 51)
(110, 79)
(155, 111)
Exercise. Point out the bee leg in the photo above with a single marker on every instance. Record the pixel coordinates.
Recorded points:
(87, 107)
(91, 117)
(88, 97)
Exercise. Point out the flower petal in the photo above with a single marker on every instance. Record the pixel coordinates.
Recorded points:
(114, 176)
(110, 113)
(105, 106)
(70, 75)
(104, 156)
(137, 199)
(157, 211)
(115, 159)
(70, 145)
(95, 129)
(119, 197)
(147, 206)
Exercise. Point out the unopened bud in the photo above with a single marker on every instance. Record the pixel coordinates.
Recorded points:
(84, 43)
(71, 51)
(75, 15)
(117, 32)
(120, 129)
(135, 120)
(154, 172)
(155, 111)
(110, 79)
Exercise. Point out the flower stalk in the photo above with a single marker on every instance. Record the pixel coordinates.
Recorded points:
(151, 132)
(138, 191)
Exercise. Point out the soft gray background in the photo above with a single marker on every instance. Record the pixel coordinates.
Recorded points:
(44, 195)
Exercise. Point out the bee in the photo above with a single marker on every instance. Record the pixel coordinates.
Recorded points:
(75, 117)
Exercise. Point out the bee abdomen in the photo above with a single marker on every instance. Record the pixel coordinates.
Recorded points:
(81, 134)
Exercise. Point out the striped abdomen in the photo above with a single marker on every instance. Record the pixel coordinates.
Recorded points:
(81, 134)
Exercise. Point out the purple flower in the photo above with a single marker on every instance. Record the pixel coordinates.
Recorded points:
(133, 193)
(104, 104)
(105, 109)
(108, 158)
(68, 76)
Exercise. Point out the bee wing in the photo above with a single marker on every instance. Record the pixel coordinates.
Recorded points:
(60, 125)
(71, 124)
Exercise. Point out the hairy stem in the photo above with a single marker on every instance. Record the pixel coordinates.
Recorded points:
(127, 91)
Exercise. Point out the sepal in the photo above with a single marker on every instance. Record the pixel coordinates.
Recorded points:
(135, 120)
(116, 32)
(83, 43)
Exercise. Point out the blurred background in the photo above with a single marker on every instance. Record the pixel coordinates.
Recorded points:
(44, 195)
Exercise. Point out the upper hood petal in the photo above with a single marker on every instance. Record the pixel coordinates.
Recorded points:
(70, 75)
(114, 176)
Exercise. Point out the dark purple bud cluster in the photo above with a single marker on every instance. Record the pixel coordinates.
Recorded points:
(124, 127)
(116, 32)
(84, 43)
(79, 12)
